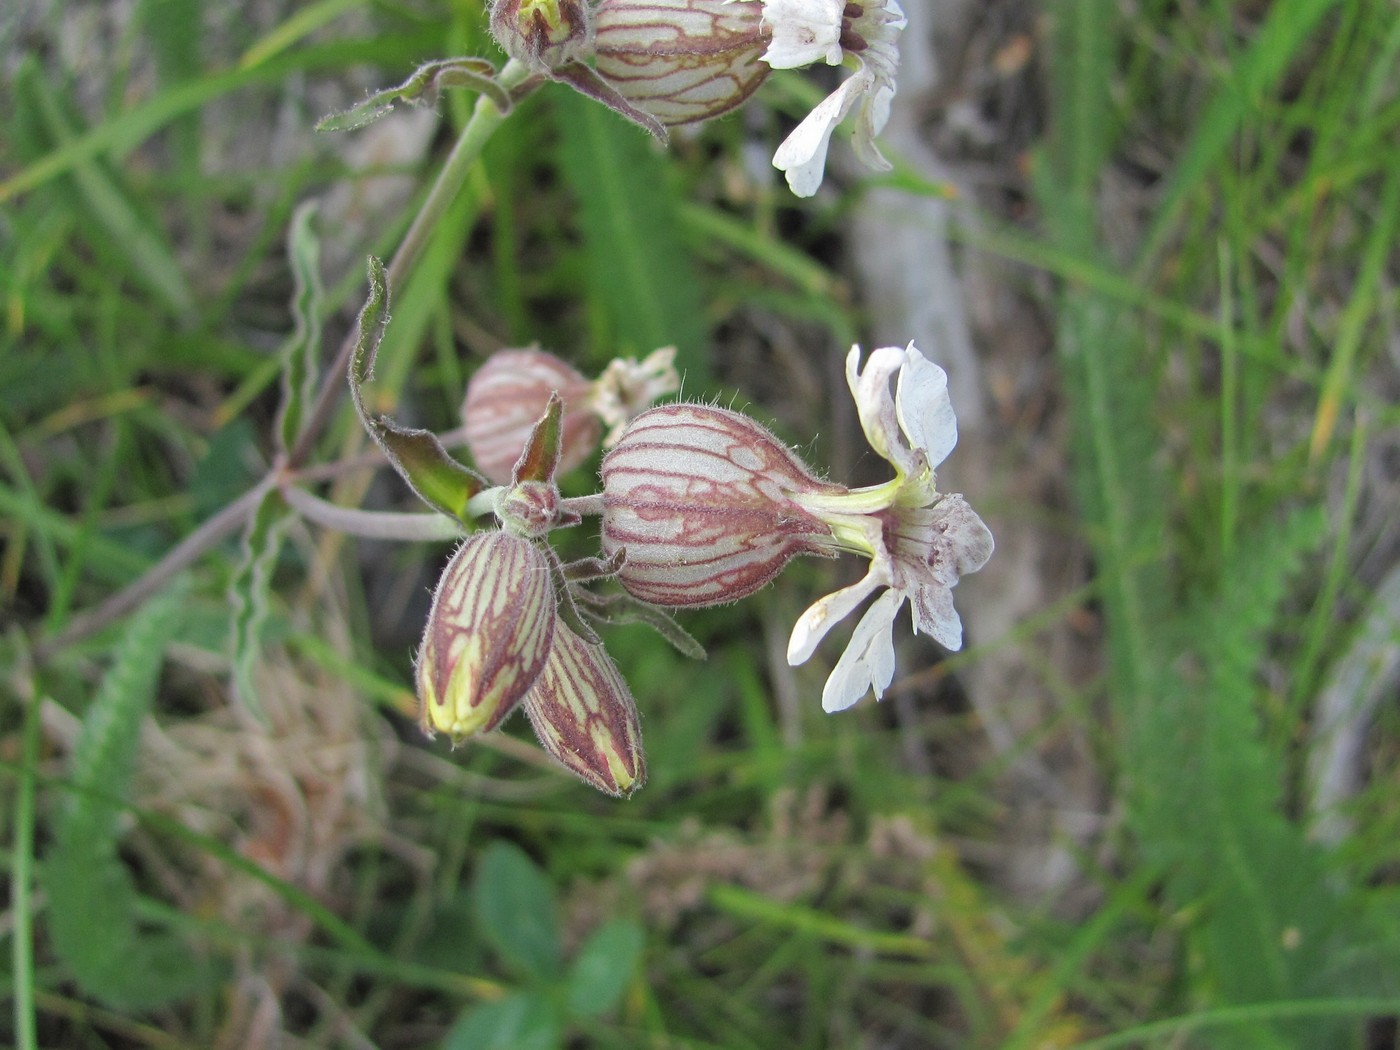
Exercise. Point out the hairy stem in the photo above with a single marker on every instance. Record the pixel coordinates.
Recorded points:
(485, 119)
(224, 523)
(371, 524)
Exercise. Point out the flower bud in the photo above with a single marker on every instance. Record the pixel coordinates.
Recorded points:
(506, 398)
(543, 34)
(681, 60)
(584, 715)
(489, 633)
(703, 502)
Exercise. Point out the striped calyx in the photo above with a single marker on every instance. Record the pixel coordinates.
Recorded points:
(543, 34)
(489, 634)
(505, 400)
(681, 60)
(707, 505)
(584, 715)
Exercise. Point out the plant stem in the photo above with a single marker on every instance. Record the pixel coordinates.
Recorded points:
(371, 524)
(485, 119)
(22, 878)
(225, 522)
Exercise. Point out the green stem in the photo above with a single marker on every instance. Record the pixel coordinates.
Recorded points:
(485, 119)
(21, 883)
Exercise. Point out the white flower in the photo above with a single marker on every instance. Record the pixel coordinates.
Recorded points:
(920, 541)
(807, 30)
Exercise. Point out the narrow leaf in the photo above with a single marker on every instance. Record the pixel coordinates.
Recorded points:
(421, 89)
(302, 351)
(541, 456)
(419, 457)
(250, 593)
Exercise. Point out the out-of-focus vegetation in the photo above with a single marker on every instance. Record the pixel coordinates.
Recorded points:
(1204, 222)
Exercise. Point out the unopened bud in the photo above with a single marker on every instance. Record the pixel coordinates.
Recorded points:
(489, 633)
(681, 60)
(702, 501)
(506, 398)
(584, 715)
(543, 34)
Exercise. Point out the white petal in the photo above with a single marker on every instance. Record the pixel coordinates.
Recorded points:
(959, 543)
(925, 409)
(935, 616)
(870, 119)
(804, 31)
(868, 661)
(870, 390)
(825, 613)
(802, 156)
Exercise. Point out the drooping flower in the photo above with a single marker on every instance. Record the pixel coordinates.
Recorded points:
(805, 31)
(505, 399)
(707, 506)
(682, 61)
(585, 717)
(507, 394)
(488, 635)
(919, 541)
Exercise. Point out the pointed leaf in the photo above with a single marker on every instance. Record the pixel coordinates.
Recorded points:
(419, 457)
(302, 351)
(540, 459)
(250, 592)
(515, 909)
(421, 89)
(589, 84)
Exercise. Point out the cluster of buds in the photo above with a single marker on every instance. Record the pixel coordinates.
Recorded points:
(700, 506)
(496, 639)
(662, 63)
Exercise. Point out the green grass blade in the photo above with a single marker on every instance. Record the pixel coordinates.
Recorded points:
(640, 277)
(1276, 44)
(21, 884)
(108, 203)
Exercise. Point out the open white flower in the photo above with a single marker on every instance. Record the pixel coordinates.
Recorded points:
(919, 541)
(804, 31)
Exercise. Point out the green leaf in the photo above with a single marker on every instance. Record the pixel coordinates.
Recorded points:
(421, 89)
(91, 915)
(642, 281)
(1207, 798)
(250, 592)
(419, 457)
(303, 350)
(521, 1021)
(604, 967)
(515, 909)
